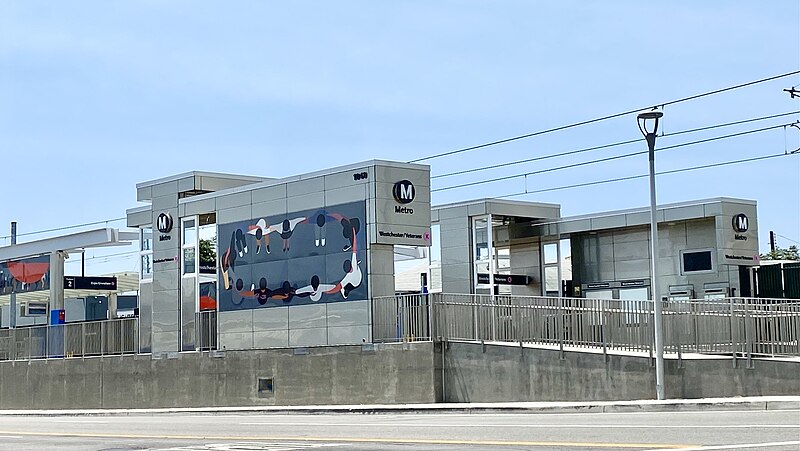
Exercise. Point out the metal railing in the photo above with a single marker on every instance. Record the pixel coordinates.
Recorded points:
(206, 330)
(401, 318)
(733, 326)
(95, 338)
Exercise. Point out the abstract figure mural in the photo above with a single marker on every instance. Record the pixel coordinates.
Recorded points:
(30, 274)
(307, 270)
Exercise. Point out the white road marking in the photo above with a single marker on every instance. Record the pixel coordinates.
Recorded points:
(546, 413)
(473, 415)
(253, 446)
(738, 446)
(543, 426)
(81, 421)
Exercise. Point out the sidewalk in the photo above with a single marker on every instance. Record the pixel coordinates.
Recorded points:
(649, 405)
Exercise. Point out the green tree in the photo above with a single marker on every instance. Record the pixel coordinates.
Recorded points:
(782, 254)
(208, 251)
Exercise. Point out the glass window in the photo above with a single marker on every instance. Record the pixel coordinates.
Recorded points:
(436, 244)
(208, 296)
(189, 260)
(550, 253)
(550, 265)
(146, 239)
(189, 232)
(189, 240)
(551, 280)
(481, 240)
(503, 258)
(480, 251)
(147, 266)
(696, 261)
(207, 244)
(146, 253)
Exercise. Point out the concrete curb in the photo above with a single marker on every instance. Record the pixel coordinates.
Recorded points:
(679, 405)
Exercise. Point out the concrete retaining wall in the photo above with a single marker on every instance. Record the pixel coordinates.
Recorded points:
(385, 374)
(327, 375)
(477, 373)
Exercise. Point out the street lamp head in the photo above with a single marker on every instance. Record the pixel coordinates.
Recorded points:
(642, 119)
(655, 114)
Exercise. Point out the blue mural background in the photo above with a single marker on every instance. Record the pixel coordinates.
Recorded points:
(303, 257)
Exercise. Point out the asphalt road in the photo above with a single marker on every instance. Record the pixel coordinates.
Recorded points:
(770, 430)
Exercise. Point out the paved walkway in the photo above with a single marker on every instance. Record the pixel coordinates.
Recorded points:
(647, 405)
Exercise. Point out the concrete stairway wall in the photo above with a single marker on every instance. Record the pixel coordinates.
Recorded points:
(490, 373)
(329, 375)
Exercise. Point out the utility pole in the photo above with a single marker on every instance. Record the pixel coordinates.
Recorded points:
(658, 342)
(12, 305)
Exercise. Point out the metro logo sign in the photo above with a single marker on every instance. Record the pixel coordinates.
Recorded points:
(403, 191)
(740, 223)
(164, 223)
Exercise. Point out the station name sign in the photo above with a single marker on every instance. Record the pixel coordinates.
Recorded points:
(90, 283)
(505, 279)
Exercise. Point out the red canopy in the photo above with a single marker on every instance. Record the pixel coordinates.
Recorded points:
(28, 272)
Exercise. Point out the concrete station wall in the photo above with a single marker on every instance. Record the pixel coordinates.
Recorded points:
(326, 375)
(389, 374)
(476, 373)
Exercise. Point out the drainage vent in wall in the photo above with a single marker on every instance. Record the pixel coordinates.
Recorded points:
(265, 387)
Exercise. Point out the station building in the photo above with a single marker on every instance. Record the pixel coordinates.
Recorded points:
(707, 248)
(238, 262)
(290, 262)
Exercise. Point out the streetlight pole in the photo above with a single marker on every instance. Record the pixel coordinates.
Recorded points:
(642, 119)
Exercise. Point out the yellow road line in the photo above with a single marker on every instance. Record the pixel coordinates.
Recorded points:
(355, 439)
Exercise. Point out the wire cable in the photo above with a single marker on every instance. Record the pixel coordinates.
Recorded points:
(57, 229)
(633, 177)
(601, 160)
(787, 238)
(606, 146)
(590, 121)
(103, 256)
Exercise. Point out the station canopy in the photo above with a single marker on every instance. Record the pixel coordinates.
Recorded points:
(72, 244)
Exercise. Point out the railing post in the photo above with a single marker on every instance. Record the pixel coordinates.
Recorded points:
(560, 326)
(731, 322)
(747, 331)
(476, 320)
(677, 329)
(429, 307)
(603, 321)
(516, 319)
(651, 333)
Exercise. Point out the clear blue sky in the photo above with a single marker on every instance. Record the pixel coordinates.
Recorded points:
(96, 96)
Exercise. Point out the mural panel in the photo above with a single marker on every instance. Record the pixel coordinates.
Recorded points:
(21, 276)
(306, 257)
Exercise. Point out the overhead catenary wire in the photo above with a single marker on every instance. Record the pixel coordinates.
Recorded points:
(787, 238)
(58, 229)
(601, 160)
(535, 134)
(633, 177)
(129, 253)
(606, 146)
(611, 116)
